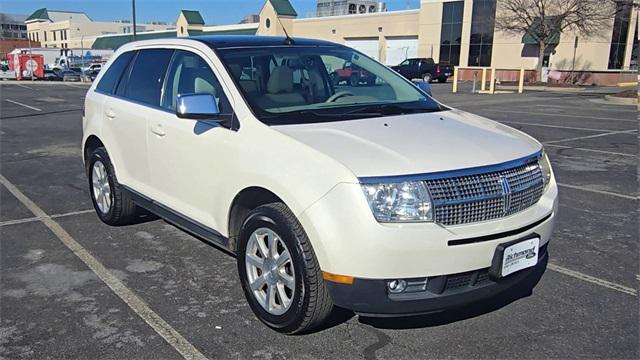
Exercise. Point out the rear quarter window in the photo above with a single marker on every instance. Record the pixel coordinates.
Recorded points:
(114, 73)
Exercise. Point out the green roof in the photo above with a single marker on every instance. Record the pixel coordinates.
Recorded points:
(224, 32)
(193, 17)
(115, 41)
(283, 7)
(40, 14)
(551, 22)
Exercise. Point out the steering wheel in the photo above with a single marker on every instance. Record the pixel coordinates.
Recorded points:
(338, 95)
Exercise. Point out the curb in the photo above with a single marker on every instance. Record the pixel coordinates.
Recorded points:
(621, 101)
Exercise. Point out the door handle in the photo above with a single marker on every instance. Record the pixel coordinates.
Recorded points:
(158, 130)
(110, 114)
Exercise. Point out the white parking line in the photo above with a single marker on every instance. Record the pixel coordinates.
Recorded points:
(593, 280)
(554, 126)
(25, 105)
(32, 219)
(560, 115)
(602, 192)
(23, 86)
(591, 136)
(139, 306)
(590, 150)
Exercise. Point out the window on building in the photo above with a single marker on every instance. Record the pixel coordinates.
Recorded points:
(53, 33)
(45, 36)
(451, 32)
(38, 37)
(634, 50)
(353, 9)
(482, 26)
(619, 38)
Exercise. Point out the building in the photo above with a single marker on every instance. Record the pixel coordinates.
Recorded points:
(344, 7)
(459, 32)
(68, 29)
(13, 33)
(250, 19)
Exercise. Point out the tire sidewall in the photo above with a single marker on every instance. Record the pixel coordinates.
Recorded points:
(427, 77)
(101, 155)
(264, 217)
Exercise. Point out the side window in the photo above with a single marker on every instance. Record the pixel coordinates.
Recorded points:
(113, 74)
(190, 74)
(147, 75)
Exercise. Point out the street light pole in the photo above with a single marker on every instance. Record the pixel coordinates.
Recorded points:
(82, 71)
(30, 57)
(133, 7)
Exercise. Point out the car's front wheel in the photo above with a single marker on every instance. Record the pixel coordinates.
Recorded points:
(112, 204)
(279, 272)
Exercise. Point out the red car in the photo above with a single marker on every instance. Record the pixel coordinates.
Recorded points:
(353, 75)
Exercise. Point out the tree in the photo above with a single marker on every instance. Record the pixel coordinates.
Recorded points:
(546, 20)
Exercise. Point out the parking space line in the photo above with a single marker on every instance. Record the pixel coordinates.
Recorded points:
(602, 192)
(590, 150)
(54, 216)
(593, 280)
(139, 306)
(552, 126)
(591, 136)
(25, 105)
(23, 86)
(560, 115)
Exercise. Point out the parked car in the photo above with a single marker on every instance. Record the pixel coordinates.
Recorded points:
(352, 75)
(425, 69)
(92, 74)
(379, 199)
(50, 75)
(70, 75)
(6, 73)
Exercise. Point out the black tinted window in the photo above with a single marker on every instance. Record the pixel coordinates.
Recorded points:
(113, 74)
(147, 75)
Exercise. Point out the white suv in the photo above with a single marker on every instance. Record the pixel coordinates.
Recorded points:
(368, 196)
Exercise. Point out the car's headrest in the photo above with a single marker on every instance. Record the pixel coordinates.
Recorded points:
(236, 70)
(281, 80)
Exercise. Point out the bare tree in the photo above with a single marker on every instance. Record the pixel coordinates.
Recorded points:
(546, 20)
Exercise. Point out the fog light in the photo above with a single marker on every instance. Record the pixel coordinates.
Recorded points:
(396, 286)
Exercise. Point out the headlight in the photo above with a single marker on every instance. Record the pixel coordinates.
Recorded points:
(399, 202)
(545, 166)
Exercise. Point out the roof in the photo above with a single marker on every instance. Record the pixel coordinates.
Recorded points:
(193, 17)
(283, 7)
(229, 41)
(223, 32)
(115, 41)
(551, 22)
(40, 14)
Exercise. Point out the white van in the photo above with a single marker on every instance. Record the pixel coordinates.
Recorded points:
(369, 196)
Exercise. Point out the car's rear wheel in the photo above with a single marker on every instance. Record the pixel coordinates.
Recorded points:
(354, 81)
(112, 204)
(442, 80)
(279, 272)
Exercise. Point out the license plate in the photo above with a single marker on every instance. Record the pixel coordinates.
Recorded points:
(516, 257)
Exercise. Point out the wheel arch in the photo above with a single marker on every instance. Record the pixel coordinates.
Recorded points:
(90, 144)
(246, 200)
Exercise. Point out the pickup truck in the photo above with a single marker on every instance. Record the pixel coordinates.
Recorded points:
(425, 69)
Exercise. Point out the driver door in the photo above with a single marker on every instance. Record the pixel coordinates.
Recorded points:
(187, 156)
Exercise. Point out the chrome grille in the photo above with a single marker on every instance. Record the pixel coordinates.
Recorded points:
(485, 196)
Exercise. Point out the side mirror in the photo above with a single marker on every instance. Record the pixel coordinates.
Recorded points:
(424, 86)
(197, 107)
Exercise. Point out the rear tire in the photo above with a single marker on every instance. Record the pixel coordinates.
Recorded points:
(112, 204)
(442, 80)
(354, 81)
(307, 304)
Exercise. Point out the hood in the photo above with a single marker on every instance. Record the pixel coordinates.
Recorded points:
(414, 144)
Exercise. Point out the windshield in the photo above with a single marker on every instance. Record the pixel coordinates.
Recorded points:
(301, 84)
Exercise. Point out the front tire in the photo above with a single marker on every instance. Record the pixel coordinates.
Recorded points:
(279, 272)
(427, 78)
(112, 204)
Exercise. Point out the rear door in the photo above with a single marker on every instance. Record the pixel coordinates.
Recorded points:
(126, 114)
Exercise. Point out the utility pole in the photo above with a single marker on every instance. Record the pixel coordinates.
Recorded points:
(30, 57)
(133, 6)
(573, 65)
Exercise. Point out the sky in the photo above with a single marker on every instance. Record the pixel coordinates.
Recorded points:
(214, 12)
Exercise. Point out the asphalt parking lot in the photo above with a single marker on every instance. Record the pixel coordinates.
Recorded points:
(60, 266)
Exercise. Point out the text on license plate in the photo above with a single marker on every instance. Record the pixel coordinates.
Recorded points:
(520, 256)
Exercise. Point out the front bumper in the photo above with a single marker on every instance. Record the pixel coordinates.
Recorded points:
(370, 297)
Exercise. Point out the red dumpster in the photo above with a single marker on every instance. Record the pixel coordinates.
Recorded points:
(27, 66)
